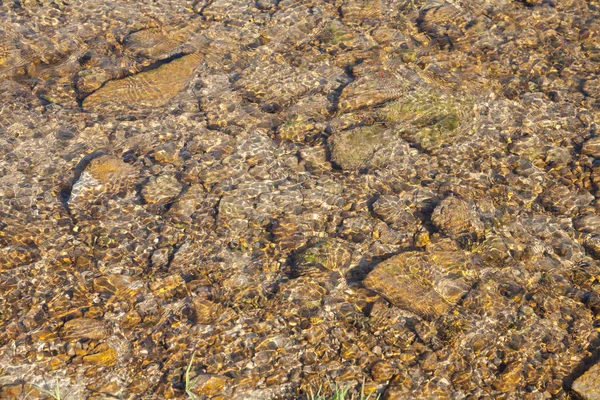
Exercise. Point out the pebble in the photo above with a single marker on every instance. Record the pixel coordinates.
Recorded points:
(161, 190)
(591, 147)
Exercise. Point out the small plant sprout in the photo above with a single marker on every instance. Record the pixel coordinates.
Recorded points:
(188, 389)
(340, 393)
(362, 393)
(55, 395)
(317, 396)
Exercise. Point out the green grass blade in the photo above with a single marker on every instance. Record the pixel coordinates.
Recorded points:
(188, 390)
(55, 395)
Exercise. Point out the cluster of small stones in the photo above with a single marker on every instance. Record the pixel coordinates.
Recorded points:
(395, 196)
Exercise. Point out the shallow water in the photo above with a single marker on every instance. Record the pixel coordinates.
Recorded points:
(395, 197)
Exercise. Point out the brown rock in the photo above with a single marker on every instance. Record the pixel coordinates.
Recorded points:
(349, 351)
(430, 362)
(156, 43)
(91, 79)
(112, 388)
(442, 22)
(168, 287)
(161, 190)
(456, 217)
(591, 87)
(426, 284)
(397, 393)
(277, 378)
(14, 256)
(167, 154)
(16, 390)
(122, 286)
(396, 213)
(352, 149)
(154, 88)
(588, 223)
(510, 378)
(592, 147)
(106, 358)
(383, 371)
(107, 168)
(333, 255)
(103, 174)
(208, 385)
(588, 385)
(205, 311)
(84, 328)
(138, 385)
(376, 86)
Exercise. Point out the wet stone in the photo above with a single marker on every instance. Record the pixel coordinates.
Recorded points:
(334, 255)
(147, 89)
(167, 153)
(371, 90)
(592, 87)
(161, 190)
(428, 119)
(104, 174)
(591, 147)
(442, 22)
(208, 385)
(510, 378)
(456, 217)
(588, 385)
(383, 371)
(107, 169)
(353, 149)
(106, 358)
(588, 224)
(426, 284)
(84, 328)
(395, 212)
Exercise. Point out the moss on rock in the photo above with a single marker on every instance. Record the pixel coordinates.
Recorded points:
(428, 119)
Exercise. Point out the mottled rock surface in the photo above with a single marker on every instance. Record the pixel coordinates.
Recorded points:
(153, 88)
(426, 284)
(456, 217)
(588, 385)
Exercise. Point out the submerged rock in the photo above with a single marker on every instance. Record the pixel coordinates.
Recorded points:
(427, 284)
(103, 174)
(153, 88)
(105, 358)
(456, 217)
(395, 212)
(84, 328)
(208, 385)
(444, 22)
(161, 190)
(588, 224)
(429, 119)
(354, 148)
(588, 385)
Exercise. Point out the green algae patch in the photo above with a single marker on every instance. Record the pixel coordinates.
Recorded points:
(338, 33)
(431, 120)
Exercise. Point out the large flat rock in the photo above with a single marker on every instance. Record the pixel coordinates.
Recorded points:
(152, 88)
(427, 284)
(588, 384)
